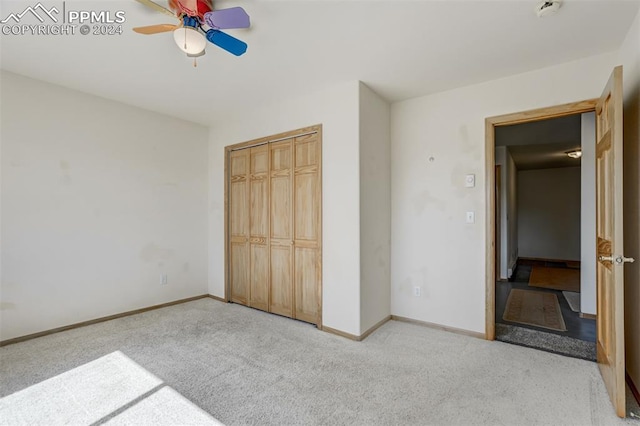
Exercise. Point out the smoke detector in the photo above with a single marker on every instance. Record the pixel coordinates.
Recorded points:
(547, 8)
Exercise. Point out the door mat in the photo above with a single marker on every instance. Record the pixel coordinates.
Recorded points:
(537, 308)
(555, 278)
(573, 299)
(546, 341)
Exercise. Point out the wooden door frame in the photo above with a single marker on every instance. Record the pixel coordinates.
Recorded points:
(490, 162)
(227, 181)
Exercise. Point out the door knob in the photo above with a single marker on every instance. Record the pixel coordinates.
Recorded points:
(618, 259)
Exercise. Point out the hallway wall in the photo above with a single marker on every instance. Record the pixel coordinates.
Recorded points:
(549, 213)
(588, 214)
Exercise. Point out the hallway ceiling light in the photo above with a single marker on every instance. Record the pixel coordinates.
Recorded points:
(576, 153)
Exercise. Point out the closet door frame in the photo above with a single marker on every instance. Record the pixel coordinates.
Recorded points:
(227, 181)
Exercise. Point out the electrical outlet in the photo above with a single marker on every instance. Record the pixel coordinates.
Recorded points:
(416, 291)
(163, 279)
(470, 181)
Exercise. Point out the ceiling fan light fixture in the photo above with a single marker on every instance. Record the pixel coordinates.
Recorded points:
(190, 41)
(547, 8)
(576, 153)
(196, 55)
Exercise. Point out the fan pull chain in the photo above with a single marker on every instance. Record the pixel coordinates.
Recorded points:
(195, 62)
(185, 38)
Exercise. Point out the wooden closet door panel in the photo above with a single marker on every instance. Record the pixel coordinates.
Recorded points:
(259, 228)
(239, 226)
(259, 277)
(280, 174)
(281, 207)
(281, 282)
(306, 189)
(239, 209)
(240, 268)
(306, 210)
(307, 283)
(280, 155)
(306, 225)
(259, 206)
(307, 150)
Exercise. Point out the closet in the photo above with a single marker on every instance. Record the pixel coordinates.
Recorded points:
(274, 226)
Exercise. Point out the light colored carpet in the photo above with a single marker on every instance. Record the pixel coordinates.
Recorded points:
(110, 390)
(166, 407)
(537, 308)
(248, 367)
(555, 278)
(573, 299)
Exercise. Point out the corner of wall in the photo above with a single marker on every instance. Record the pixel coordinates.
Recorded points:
(375, 208)
(214, 212)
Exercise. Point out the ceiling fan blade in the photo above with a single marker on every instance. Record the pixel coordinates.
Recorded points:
(157, 7)
(156, 29)
(227, 42)
(234, 17)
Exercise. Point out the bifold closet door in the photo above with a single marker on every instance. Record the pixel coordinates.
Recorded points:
(281, 241)
(275, 227)
(259, 227)
(239, 259)
(307, 230)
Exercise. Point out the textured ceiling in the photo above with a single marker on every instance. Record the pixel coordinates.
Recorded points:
(401, 49)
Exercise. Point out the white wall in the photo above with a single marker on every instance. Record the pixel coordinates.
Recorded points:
(432, 245)
(336, 108)
(629, 57)
(512, 214)
(588, 214)
(549, 213)
(98, 199)
(375, 209)
(508, 211)
(501, 160)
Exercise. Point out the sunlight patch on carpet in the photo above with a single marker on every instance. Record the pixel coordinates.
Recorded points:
(106, 388)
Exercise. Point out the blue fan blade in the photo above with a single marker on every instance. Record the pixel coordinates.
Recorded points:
(226, 42)
(234, 17)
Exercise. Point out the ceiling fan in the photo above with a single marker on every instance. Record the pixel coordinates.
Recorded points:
(199, 23)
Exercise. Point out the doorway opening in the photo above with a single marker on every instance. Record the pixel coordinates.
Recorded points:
(545, 290)
(610, 259)
(491, 124)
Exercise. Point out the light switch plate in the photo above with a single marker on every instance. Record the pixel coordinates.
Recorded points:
(470, 181)
(471, 217)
